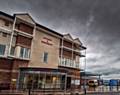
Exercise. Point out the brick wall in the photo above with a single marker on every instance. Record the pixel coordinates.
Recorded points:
(19, 63)
(67, 54)
(67, 44)
(5, 64)
(25, 28)
(23, 41)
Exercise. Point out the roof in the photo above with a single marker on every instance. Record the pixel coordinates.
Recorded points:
(12, 17)
(77, 40)
(68, 36)
(83, 73)
(83, 47)
(19, 15)
(41, 69)
(52, 31)
(7, 15)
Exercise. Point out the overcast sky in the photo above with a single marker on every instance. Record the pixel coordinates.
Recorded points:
(95, 22)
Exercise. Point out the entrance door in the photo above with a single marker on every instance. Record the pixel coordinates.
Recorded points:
(68, 82)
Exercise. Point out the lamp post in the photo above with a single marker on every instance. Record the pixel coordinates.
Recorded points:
(29, 87)
(85, 75)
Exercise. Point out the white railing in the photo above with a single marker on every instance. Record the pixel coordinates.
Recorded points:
(68, 63)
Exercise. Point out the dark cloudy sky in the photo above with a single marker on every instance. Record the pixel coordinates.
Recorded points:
(95, 22)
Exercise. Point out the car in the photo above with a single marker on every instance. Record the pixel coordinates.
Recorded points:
(93, 82)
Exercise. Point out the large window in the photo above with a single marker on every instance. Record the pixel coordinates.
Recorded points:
(24, 52)
(42, 81)
(2, 49)
(45, 57)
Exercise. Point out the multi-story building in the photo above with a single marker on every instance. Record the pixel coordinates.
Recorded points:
(33, 56)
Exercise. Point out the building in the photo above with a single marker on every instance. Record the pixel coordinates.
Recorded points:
(33, 56)
(89, 80)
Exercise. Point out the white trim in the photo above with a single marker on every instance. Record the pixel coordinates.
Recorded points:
(72, 50)
(4, 70)
(9, 71)
(61, 52)
(5, 29)
(3, 56)
(15, 71)
(32, 42)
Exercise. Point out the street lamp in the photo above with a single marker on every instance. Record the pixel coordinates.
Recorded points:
(85, 75)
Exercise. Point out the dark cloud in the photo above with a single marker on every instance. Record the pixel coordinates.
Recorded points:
(95, 22)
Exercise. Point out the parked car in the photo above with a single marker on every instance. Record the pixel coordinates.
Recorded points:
(93, 82)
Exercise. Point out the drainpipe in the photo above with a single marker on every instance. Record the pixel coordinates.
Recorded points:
(32, 42)
(73, 65)
(61, 52)
(12, 34)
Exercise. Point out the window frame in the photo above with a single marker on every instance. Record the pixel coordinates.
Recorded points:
(45, 57)
(4, 34)
(3, 51)
(24, 56)
(12, 51)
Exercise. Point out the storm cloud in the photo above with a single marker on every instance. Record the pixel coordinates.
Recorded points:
(95, 22)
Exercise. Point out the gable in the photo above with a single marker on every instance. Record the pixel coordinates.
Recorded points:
(68, 37)
(26, 17)
(77, 40)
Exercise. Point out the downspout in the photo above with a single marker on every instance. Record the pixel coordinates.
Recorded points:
(61, 52)
(11, 39)
(34, 30)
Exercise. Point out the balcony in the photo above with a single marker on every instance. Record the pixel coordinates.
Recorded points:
(20, 53)
(68, 63)
(75, 51)
(24, 29)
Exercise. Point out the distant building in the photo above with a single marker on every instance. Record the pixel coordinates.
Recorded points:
(89, 76)
(35, 56)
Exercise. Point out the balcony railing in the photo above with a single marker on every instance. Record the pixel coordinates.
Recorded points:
(68, 63)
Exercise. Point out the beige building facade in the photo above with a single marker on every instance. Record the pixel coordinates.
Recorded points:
(33, 56)
(44, 42)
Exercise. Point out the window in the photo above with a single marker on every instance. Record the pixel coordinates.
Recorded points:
(63, 61)
(71, 63)
(12, 51)
(4, 34)
(2, 49)
(45, 57)
(0, 32)
(77, 65)
(24, 52)
(6, 23)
